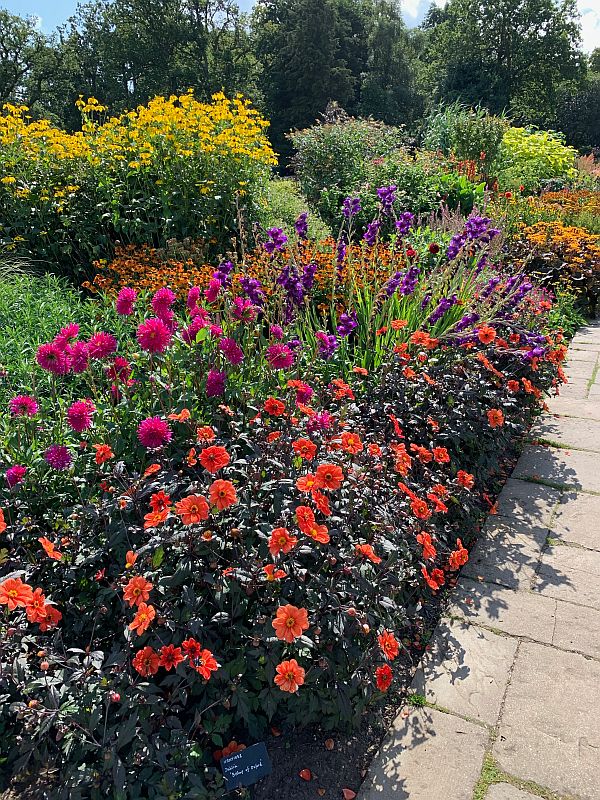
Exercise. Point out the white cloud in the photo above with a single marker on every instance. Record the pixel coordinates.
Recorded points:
(590, 24)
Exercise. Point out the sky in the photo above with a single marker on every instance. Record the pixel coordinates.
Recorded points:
(54, 12)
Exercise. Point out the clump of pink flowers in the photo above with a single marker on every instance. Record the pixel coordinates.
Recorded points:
(58, 457)
(23, 406)
(154, 432)
(79, 415)
(153, 335)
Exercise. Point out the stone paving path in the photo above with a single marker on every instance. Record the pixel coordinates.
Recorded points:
(511, 685)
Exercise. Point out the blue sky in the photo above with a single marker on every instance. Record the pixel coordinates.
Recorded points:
(55, 12)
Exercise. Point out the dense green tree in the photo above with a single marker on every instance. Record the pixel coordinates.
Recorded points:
(20, 43)
(507, 54)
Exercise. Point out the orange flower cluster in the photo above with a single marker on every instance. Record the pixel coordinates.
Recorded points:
(569, 202)
(574, 246)
(181, 266)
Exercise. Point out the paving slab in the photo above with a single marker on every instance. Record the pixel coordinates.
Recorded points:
(571, 574)
(466, 670)
(584, 408)
(580, 434)
(580, 355)
(577, 628)
(504, 791)
(514, 613)
(589, 334)
(506, 553)
(526, 503)
(549, 732)
(562, 467)
(427, 755)
(577, 519)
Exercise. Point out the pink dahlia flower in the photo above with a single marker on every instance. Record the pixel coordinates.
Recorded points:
(23, 406)
(78, 355)
(215, 383)
(67, 335)
(154, 432)
(231, 350)
(120, 370)
(52, 358)
(58, 457)
(126, 301)
(163, 300)
(280, 356)
(15, 475)
(153, 335)
(101, 345)
(79, 415)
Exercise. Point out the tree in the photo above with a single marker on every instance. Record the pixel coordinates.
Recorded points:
(387, 90)
(303, 67)
(506, 54)
(20, 43)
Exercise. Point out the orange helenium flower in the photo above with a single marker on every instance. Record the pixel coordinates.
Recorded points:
(289, 676)
(290, 622)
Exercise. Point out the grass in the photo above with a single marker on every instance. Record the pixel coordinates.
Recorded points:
(492, 773)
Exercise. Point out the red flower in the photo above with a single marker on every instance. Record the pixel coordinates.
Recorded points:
(36, 606)
(366, 551)
(309, 526)
(495, 417)
(146, 662)
(389, 645)
(192, 509)
(383, 677)
(170, 657)
(272, 573)
(281, 541)
(205, 664)
(306, 483)
(440, 454)
(289, 676)
(214, 458)
(14, 593)
(274, 407)
(486, 335)
(143, 618)
(50, 548)
(305, 449)
(436, 580)
(321, 502)
(328, 476)
(465, 479)
(429, 551)
(191, 648)
(205, 434)
(222, 494)
(103, 453)
(459, 556)
(351, 443)
(290, 622)
(160, 502)
(420, 509)
(137, 591)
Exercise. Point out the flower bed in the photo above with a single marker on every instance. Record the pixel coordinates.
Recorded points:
(245, 505)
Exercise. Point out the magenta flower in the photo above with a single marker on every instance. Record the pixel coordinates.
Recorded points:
(303, 392)
(153, 335)
(52, 358)
(23, 406)
(321, 421)
(193, 297)
(215, 383)
(14, 475)
(243, 309)
(154, 432)
(78, 354)
(276, 331)
(126, 301)
(79, 415)
(280, 356)
(58, 457)
(67, 335)
(189, 334)
(231, 350)
(212, 291)
(120, 370)
(162, 301)
(101, 345)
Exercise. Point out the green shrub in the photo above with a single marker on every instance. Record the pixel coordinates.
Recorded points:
(531, 158)
(336, 156)
(468, 134)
